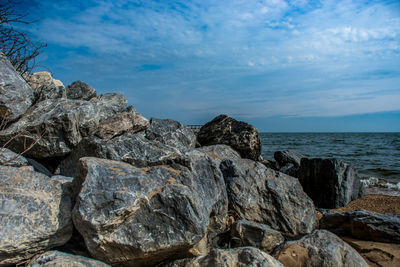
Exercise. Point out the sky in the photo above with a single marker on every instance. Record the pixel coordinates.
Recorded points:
(283, 66)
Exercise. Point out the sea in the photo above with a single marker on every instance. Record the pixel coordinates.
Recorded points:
(376, 156)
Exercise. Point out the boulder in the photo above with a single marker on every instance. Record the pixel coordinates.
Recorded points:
(16, 96)
(257, 235)
(330, 183)
(362, 224)
(10, 158)
(220, 153)
(60, 259)
(271, 164)
(134, 216)
(35, 213)
(111, 102)
(321, 248)
(80, 91)
(263, 195)
(45, 87)
(288, 161)
(239, 135)
(244, 256)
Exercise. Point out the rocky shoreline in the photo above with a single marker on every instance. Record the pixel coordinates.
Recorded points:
(88, 181)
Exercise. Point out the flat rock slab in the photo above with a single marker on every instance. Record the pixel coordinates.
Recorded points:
(35, 213)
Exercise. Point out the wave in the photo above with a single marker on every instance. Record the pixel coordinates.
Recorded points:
(376, 182)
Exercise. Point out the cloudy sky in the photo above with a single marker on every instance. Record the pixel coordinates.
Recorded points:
(281, 65)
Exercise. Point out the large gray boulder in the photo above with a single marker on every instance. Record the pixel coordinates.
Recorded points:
(330, 183)
(239, 135)
(45, 87)
(320, 249)
(241, 257)
(220, 153)
(60, 259)
(80, 91)
(15, 94)
(362, 224)
(263, 195)
(288, 161)
(35, 213)
(10, 158)
(134, 216)
(111, 102)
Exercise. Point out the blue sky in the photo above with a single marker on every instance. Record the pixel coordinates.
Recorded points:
(280, 65)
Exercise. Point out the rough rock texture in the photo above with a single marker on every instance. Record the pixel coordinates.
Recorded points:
(15, 94)
(132, 148)
(220, 153)
(364, 225)
(319, 249)
(125, 122)
(80, 91)
(56, 125)
(45, 87)
(262, 195)
(35, 213)
(60, 259)
(39, 167)
(376, 254)
(10, 158)
(240, 257)
(288, 161)
(172, 133)
(239, 135)
(330, 183)
(270, 164)
(111, 102)
(134, 216)
(257, 235)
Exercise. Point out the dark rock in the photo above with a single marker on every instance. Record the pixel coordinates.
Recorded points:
(61, 259)
(244, 256)
(111, 102)
(362, 224)
(239, 135)
(171, 133)
(270, 164)
(45, 87)
(263, 195)
(39, 167)
(330, 183)
(10, 158)
(134, 216)
(257, 235)
(321, 248)
(288, 156)
(220, 153)
(35, 213)
(15, 94)
(80, 91)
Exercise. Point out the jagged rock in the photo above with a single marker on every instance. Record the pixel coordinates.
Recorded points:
(35, 213)
(271, 164)
(80, 91)
(244, 256)
(263, 195)
(111, 102)
(132, 148)
(61, 259)
(321, 248)
(239, 135)
(133, 216)
(45, 87)
(220, 153)
(257, 235)
(39, 167)
(288, 156)
(15, 94)
(55, 126)
(364, 225)
(125, 122)
(171, 133)
(10, 158)
(330, 183)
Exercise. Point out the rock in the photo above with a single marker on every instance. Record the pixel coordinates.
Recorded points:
(10, 158)
(111, 102)
(257, 235)
(321, 248)
(375, 253)
(330, 183)
(55, 127)
(15, 94)
(270, 164)
(171, 133)
(239, 135)
(80, 91)
(39, 167)
(45, 87)
(244, 256)
(220, 153)
(262, 195)
(362, 224)
(60, 259)
(121, 123)
(131, 216)
(132, 148)
(35, 214)
(288, 156)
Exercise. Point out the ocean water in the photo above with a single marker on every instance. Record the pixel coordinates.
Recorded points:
(375, 155)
